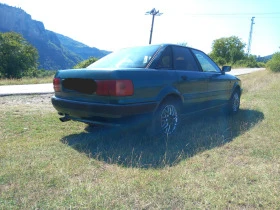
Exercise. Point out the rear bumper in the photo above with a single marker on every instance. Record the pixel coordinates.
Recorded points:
(101, 113)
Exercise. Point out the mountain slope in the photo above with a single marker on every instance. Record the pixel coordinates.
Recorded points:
(79, 48)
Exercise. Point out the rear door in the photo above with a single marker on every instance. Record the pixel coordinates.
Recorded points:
(192, 82)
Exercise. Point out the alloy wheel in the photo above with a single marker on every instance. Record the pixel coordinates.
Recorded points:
(169, 119)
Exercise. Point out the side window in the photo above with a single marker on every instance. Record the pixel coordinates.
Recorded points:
(183, 59)
(206, 63)
(165, 61)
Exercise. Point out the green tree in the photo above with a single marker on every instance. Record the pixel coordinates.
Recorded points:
(227, 50)
(85, 63)
(18, 58)
(274, 63)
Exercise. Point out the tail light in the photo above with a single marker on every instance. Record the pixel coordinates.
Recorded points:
(56, 84)
(114, 87)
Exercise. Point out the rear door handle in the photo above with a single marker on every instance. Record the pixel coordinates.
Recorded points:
(184, 77)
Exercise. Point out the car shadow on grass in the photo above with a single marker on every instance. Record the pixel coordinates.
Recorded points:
(132, 148)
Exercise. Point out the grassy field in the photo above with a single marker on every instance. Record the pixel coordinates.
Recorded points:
(215, 162)
(26, 81)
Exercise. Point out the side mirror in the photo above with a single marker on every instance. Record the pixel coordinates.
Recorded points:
(226, 69)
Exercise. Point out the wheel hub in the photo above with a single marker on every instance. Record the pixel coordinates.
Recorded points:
(169, 119)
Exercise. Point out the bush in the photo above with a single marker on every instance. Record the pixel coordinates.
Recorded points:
(249, 62)
(39, 73)
(261, 64)
(85, 63)
(274, 63)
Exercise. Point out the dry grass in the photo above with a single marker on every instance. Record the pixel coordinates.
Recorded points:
(26, 81)
(215, 162)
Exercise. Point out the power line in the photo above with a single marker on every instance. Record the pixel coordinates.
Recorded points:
(234, 14)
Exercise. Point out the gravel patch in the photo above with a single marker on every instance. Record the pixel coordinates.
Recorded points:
(27, 103)
(40, 99)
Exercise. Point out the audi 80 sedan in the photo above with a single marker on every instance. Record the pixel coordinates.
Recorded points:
(159, 83)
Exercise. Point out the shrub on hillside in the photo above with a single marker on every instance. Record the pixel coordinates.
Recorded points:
(85, 63)
(249, 62)
(274, 63)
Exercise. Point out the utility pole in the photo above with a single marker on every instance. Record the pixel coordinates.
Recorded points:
(154, 13)
(250, 36)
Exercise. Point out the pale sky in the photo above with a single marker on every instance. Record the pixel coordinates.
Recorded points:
(114, 24)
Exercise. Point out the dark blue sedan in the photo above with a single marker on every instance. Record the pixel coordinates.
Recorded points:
(158, 83)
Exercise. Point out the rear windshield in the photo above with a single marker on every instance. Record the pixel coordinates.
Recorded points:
(134, 57)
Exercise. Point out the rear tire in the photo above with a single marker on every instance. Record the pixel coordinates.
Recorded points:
(166, 118)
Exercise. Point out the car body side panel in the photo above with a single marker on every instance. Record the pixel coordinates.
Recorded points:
(219, 88)
(192, 85)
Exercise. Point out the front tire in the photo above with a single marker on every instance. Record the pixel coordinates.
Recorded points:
(234, 102)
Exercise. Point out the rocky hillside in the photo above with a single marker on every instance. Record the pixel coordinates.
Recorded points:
(55, 50)
(79, 48)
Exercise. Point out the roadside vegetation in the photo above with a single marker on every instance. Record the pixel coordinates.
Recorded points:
(18, 58)
(85, 63)
(274, 63)
(214, 162)
(230, 51)
(39, 77)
